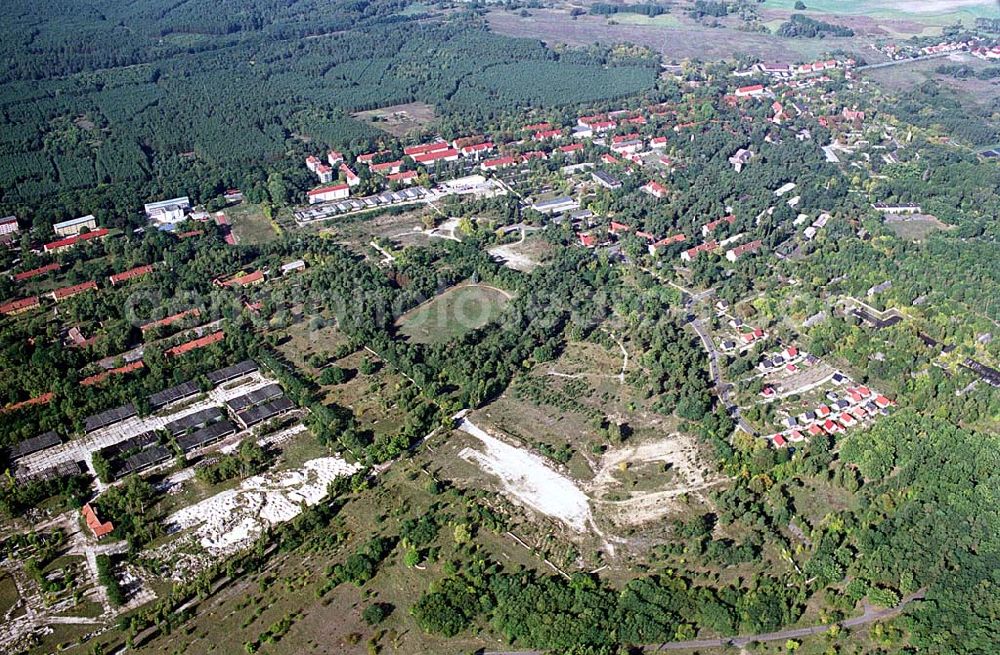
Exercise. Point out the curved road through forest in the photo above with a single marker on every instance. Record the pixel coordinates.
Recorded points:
(870, 615)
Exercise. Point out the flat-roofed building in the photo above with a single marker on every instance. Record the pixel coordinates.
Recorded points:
(73, 227)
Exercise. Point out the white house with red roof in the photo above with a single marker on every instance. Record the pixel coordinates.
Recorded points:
(712, 226)
(328, 193)
(750, 91)
(655, 189)
(324, 173)
(350, 176)
(333, 158)
(737, 252)
(406, 177)
(692, 253)
(658, 142)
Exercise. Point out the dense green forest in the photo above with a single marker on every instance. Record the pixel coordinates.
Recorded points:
(106, 108)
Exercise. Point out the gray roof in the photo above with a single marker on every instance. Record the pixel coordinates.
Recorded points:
(262, 395)
(266, 411)
(206, 435)
(108, 417)
(195, 420)
(232, 372)
(34, 444)
(173, 394)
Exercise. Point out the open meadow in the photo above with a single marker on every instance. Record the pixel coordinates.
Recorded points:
(458, 310)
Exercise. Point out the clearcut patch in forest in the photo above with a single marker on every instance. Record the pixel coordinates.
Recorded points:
(458, 310)
(399, 120)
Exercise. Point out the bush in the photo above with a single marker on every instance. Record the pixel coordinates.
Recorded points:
(376, 613)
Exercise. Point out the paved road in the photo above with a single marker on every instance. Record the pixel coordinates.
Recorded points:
(723, 388)
(870, 615)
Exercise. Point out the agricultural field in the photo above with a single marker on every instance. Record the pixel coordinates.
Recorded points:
(458, 310)
(400, 120)
(929, 12)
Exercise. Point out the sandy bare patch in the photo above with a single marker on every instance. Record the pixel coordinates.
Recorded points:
(529, 479)
(232, 519)
(680, 451)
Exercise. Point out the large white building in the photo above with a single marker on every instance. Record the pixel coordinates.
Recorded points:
(328, 193)
(72, 227)
(8, 225)
(170, 211)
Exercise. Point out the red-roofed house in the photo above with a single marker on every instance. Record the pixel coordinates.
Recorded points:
(847, 420)
(655, 248)
(831, 427)
(387, 168)
(98, 527)
(822, 411)
(15, 307)
(779, 441)
(75, 290)
(406, 177)
(369, 157)
(534, 154)
(711, 226)
(324, 173)
(692, 253)
(312, 162)
(882, 402)
(42, 399)
(602, 126)
(814, 430)
(413, 151)
(170, 319)
(737, 252)
(476, 150)
(350, 176)
(545, 135)
(571, 149)
(795, 435)
(791, 351)
(328, 193)
(498, 162)
(100, 377)
(535, 127)
(658, 142)
(750, 91)
(69, 242)
(588, 240)
(245, 280)
(201, 342)
(35, 272)
(130, 274)
(655, 189)
(333, 158)
(432, 158)
(609, 159)
(853, 114)
(618, 228)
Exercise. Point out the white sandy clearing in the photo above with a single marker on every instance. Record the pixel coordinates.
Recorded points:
(529, 479)
(232, 519)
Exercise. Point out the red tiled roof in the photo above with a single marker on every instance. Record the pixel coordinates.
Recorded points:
(327, 189)
(100, 377)
(711, 225)
(244, 280)
(573, 147)
(547, 134)
(68, 292)
(70, 241)
(35, 272)
(131, 274)
(499, 162)
(170, 319)
(42, 399)
(425, 148)
(779, 441)
(435, 155)
(22, 305)
(190, 233)
(385, 166)
(399, 177)
(534, 127)
(200, 342)
(99, 528)
(750, 89)
(588, 240)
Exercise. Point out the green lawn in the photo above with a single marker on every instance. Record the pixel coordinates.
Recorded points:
(456, 311)
(250, 225)
(663, 20)
(8, 593)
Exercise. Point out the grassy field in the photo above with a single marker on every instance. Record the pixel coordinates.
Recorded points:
(250, 225)
(451, 314)
(915, 228)
(688, 39)
(933, 12)
(971, 91)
